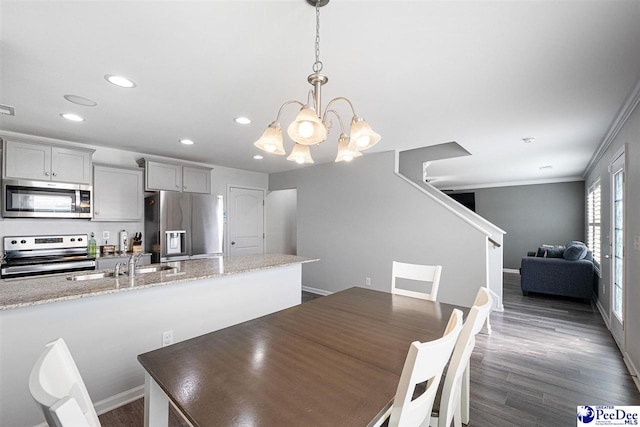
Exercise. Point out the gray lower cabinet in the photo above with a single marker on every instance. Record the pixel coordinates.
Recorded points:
(117, 194)
(110, 262)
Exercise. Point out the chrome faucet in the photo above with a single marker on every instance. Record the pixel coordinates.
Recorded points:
(132, 263)
(116, 269)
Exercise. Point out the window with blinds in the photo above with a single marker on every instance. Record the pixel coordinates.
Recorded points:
(593, 220)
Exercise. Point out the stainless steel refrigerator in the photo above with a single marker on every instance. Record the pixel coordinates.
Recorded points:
(182, 226)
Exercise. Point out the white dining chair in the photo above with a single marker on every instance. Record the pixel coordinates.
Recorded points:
(423, 273)
(454, 395)
(57, 387)
(425, 362)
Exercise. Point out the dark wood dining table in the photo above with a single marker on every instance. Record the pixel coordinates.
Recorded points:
(334, 361)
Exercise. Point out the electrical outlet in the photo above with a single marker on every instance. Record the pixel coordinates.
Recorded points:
(105, 235)
(167, 338)
(367, 281)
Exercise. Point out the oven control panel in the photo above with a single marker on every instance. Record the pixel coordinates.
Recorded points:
(22, 243)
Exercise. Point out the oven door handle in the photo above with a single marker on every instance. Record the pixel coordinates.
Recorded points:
(21, 269)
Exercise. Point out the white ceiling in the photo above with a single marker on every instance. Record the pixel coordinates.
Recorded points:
(482, 73)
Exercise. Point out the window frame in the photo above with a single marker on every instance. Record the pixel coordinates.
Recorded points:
(594, 220)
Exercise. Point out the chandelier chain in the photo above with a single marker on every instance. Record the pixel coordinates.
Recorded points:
(317, 66)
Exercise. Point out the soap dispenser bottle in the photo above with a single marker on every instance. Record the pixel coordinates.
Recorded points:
(92, 246)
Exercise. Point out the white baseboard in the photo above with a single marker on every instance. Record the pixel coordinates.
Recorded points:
(604, 316)
(316, 291)
(120, 399)
(632, 369)
(511, 270)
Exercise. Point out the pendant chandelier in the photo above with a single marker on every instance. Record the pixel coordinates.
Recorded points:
(311, 126)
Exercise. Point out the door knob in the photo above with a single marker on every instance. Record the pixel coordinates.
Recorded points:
(233, 243)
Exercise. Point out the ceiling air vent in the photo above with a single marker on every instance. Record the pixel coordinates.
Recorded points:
(8, 110)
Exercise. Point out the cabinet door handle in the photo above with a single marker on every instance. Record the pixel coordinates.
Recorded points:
(97, 213)
(46, 173)
(177, 186)
(184, 186)
(55, 174)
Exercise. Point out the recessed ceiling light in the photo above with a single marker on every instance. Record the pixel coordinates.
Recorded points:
(242, 120)
(528, 140)
(80, 100)
(258, 157)
(72, 117)
(186, 142)
(120, 81)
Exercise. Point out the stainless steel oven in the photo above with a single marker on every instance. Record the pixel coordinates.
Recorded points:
(41, 199)
(35, 255)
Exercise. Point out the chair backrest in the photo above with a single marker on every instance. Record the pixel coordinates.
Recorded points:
(424, 363)
(57, 387)
(452, 387)
(425, 273)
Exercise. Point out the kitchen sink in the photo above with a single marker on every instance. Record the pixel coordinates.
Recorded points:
(153, 269)
(92, 276)
(107, 274)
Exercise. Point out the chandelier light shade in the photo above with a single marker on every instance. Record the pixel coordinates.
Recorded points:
(271, 140)
(362, 135)
(300, 154)
(346, 151)
(311, 125)
(307, 128)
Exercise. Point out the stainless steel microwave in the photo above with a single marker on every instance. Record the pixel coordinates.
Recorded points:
(41, 199)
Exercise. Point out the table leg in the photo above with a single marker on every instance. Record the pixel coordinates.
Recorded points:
(464, 398)
(156, 404)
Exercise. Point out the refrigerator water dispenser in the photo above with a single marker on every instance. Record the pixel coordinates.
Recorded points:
(175, 242)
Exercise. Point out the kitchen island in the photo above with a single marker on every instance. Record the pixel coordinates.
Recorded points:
(107, 322)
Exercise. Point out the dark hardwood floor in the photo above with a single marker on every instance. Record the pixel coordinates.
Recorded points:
(545, 356)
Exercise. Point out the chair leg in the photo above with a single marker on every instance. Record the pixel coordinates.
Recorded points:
(463, 408)
(457, 417)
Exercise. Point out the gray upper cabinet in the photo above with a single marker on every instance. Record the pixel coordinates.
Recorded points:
(42, 162)
(176, 177)
(117, 194)
(196, 180)
(163, 176)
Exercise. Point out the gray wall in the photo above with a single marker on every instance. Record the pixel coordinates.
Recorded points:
(358, 217)
(629, 135)
(533, 215)
(281, 211)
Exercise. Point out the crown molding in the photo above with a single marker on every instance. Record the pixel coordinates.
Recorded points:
(513, 183)
(621, 118)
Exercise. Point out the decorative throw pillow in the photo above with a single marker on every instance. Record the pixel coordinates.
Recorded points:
(555, 252)
(575, 250)
(550, 251)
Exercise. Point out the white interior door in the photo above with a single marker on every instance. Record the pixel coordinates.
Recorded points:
(617, 258)
(246, 221)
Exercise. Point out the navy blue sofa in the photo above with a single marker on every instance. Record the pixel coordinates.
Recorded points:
(558, 276)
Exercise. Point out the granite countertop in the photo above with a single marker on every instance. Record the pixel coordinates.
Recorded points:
(28, 291)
